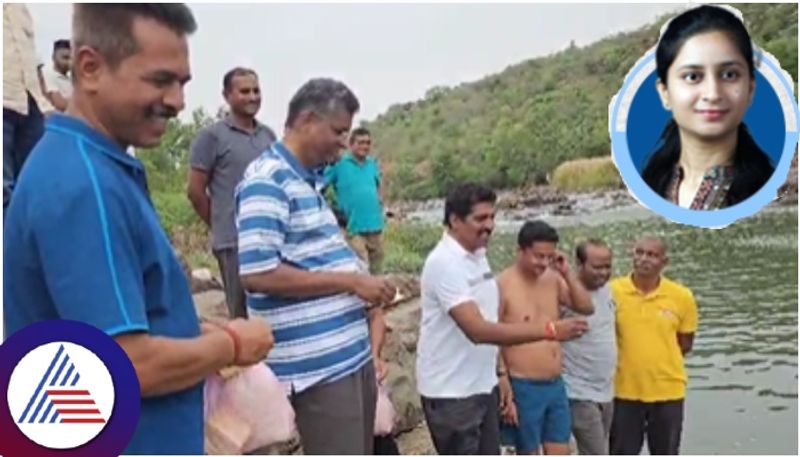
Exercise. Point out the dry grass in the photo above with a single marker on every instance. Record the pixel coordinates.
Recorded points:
(193, 244)
(583, 175)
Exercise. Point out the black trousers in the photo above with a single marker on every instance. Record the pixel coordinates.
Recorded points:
(662, 422)
(385, 445)
(464, 426)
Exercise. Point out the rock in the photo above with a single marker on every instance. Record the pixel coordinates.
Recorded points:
(400, 351)
(416, 441)
(407, 286)
(564, 209)
(202, 274)
(211, 305)
(528, 197)
(202, 280)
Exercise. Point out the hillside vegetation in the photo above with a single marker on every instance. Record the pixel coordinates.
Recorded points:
(515, 127)
(508, 129)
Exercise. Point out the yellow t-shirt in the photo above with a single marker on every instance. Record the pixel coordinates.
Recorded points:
(650, 363)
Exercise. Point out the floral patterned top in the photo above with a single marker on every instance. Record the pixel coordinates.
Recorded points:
(713, 189)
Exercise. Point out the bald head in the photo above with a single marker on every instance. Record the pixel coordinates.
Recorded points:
(649, 256)
(655, 241)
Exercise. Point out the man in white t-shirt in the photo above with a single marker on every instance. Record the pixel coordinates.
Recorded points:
(457, 353)
(57, 80)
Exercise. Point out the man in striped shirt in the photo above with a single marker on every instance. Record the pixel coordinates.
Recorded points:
(301, 275)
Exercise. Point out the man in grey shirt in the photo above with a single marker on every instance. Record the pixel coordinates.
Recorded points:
(219, 155)
(590, 361)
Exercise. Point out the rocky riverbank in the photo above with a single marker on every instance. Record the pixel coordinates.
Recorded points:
(558, 207)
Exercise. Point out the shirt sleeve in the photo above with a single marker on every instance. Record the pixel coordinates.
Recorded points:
(51, 85)
(689, 319)
(88, 252)
(203, 151)
(262, 220)
(452, 288)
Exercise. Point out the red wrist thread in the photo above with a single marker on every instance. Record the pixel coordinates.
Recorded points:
(237, 341)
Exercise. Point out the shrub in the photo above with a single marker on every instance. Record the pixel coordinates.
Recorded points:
(583, 175)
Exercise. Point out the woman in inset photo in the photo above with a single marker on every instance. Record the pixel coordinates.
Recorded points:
(706, 158)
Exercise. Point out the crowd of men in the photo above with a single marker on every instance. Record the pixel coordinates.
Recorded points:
(559, 352)
(531, 356)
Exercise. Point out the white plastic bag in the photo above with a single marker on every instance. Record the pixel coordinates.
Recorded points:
(247, 411)
(384, 413)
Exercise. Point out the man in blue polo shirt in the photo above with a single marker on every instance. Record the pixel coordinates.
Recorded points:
(302, 277)
(83, 241)
(356, 181)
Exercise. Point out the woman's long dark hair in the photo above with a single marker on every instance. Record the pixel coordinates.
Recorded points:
(752, 166)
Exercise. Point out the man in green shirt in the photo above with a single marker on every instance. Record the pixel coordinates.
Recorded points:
(356, 181)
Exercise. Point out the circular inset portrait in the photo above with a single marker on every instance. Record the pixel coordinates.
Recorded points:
(704, 128)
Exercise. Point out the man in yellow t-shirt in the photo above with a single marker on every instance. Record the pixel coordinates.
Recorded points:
(656, 322)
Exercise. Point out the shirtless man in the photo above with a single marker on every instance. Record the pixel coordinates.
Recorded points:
(532, 289)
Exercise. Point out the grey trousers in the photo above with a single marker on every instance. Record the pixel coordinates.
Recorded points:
(228, 261)
(464, 426)
(591, 426)
(338, 418)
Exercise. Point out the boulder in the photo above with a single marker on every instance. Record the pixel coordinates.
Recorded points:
(202, 280)
(400, 352)
(210, 305)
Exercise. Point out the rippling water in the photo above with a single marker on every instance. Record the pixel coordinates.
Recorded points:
(742, 396)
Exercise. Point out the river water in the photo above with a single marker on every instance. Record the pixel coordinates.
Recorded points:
(742, 394)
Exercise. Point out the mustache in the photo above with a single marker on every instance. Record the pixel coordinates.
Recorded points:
(164, 111)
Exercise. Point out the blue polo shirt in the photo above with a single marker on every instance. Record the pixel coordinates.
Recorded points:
(356, 186)
(83, 242)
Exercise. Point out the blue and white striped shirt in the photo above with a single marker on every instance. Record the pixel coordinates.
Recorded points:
(282, 218)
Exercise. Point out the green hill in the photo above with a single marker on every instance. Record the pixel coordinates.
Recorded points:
(515, 127)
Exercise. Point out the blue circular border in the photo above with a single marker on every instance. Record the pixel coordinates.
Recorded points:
(699, 218)
(123, 420)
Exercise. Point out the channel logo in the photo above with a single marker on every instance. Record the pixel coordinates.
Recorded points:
(71, 398)
(70, 391)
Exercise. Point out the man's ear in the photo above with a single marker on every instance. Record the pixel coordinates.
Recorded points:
(306, 118)
(89, 67)
(454, 220)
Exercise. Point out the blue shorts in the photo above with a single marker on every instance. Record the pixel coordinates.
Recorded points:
(543, 413)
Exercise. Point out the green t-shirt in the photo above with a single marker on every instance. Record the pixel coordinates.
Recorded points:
(355, 185)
